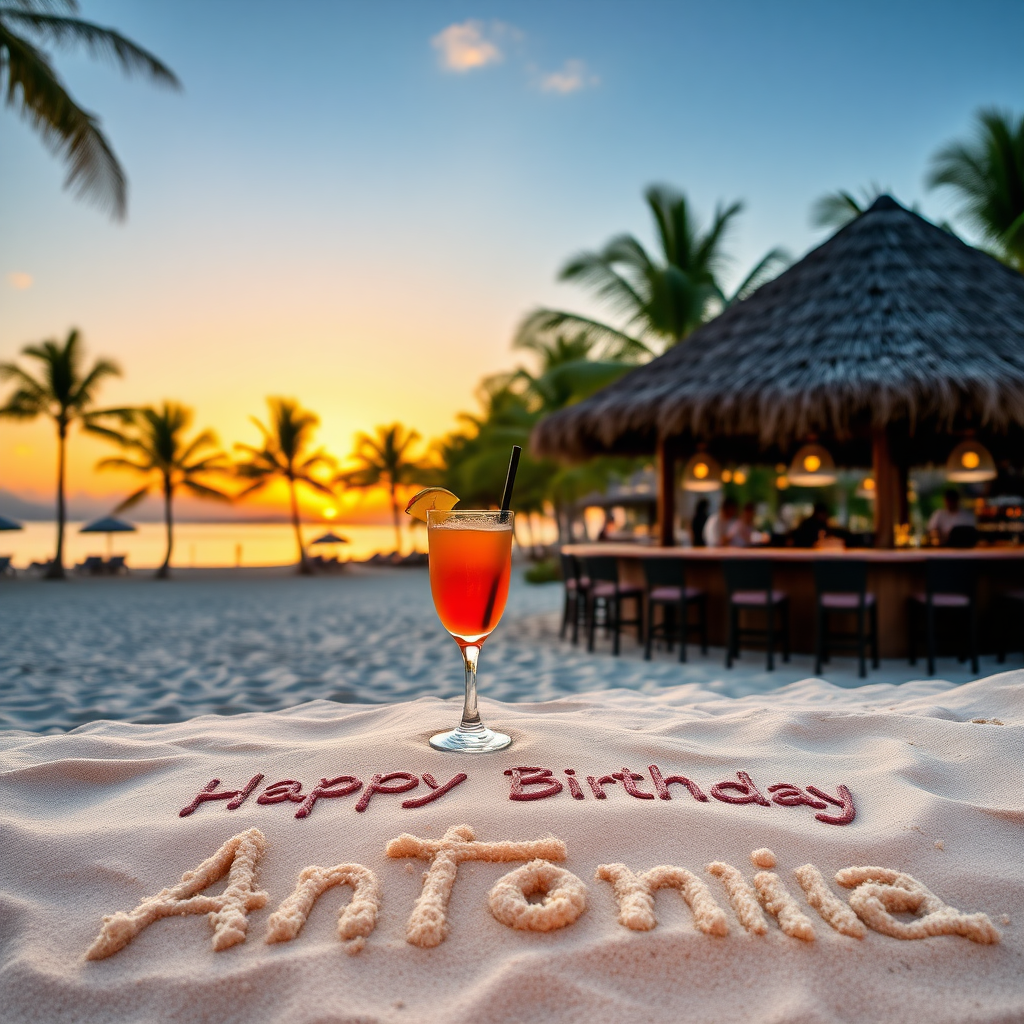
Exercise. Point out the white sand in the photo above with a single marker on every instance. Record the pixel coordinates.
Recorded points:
(223, 642)
(89, 825)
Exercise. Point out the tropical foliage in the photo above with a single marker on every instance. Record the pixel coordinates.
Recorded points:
(836, 209)
(156, 446)
(386, 458)
(31, 85)
(66, 392)
(475, 458)
(285, 455)
(987, 176)
(658, 301)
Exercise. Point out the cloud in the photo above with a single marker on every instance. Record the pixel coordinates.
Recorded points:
(572, 77)
(20, 280)
(463, 47)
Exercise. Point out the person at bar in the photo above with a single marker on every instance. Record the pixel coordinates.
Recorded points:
(944, 520)
(699, 521)
(716, 530)
(812, 529)
(743, 533)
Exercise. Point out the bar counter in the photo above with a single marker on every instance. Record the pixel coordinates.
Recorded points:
(892, 576)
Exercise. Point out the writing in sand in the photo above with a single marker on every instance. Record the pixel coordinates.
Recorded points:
(534, 783)
(877, 895)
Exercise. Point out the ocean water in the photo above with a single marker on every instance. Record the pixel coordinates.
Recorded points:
(207, 545)
(223, 545)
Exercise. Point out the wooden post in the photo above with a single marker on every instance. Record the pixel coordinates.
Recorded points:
(887, 505)
(902, 489)
(666, 493)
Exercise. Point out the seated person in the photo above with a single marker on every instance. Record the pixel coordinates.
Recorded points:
(716, 530)
(812, 529)
(742, 533)
(945, 520)
(699, 521)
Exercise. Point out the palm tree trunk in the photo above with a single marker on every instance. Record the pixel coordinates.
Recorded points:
(164, 572)
(394, 516)
(304, 567)
(56, 569)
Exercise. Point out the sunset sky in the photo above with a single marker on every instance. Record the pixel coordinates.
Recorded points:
(354, 203)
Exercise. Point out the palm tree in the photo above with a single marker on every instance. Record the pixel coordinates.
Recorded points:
(659, 300)
(386, 459)
(987, 176)
(156, 439)
(31, 85)
(284, 456)
(475, 458)
(568, 371)
(64, 393)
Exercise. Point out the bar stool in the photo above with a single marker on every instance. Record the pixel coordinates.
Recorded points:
(666, 586)
(606, 590)
(949, 586)
(842, 588)
(749, 586)
(576, 585)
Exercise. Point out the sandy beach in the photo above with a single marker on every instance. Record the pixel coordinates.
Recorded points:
(923, 793)
(226, 642)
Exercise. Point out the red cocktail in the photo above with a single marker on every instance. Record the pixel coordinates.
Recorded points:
(470, 565)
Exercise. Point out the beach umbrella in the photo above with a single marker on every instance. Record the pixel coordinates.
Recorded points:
(10, 524)
(329, 538)
(108, 525)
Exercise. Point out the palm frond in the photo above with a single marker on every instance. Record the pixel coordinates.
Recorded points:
(772, 263)
(256, 485)
(205, 439)
(217, 463)
(205, 491)
(835, 209)
(610, 340)
(27, 384)
(83, 395)
(133, 499)
(31, 85)
(116, 462)
(311, 481)
(596, 270)
(109, 434)
(105, 43)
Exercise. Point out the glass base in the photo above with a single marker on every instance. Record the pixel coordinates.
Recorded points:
(471, 741)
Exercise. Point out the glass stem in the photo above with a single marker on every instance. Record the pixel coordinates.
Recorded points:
(470, 715)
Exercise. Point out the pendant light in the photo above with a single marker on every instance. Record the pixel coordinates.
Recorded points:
(812, 466)
(866, 488)
(702, 474)
(970, 463)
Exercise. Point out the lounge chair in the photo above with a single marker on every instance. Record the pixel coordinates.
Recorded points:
(115, 565)
(92, 566)
(6, 569)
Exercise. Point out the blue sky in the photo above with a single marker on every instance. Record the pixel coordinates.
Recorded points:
(330, 209)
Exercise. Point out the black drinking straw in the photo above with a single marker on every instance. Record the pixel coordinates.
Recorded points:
(510, 479)
(506, 501)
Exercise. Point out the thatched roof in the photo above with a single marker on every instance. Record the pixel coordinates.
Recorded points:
(892, 319)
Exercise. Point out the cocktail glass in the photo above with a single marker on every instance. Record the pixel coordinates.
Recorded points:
(470, 565)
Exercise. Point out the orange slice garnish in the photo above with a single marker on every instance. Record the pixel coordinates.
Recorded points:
(431, 498)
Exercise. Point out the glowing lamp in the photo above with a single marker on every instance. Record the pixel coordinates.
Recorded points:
(702, 473)
(867, 488)
(970, 463)
(726, 476)
(812, 466)
(739, 478)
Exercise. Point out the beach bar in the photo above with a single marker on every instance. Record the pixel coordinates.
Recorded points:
(892, 345)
